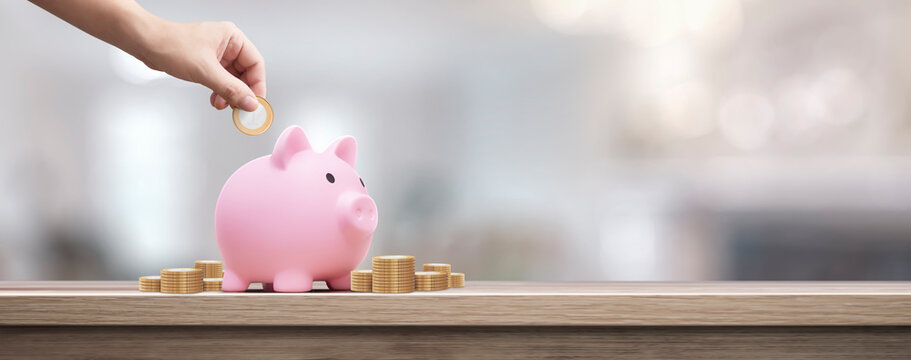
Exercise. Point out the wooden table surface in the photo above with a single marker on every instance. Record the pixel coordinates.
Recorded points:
(484, 320)
(480, 303)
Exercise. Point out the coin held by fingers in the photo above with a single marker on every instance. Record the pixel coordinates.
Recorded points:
(254, 122)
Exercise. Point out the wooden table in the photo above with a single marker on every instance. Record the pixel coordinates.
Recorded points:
(494, 320)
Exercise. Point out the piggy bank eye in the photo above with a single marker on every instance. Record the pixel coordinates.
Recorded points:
(330, 178)
(362, 182)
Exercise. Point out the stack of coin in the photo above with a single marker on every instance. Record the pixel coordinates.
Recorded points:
(210, 268)
(362, 280)
(150, 283)
(438, 267)
(456, 280)
(430, 281)
(393, 274)
(211, 284)
(181, 280)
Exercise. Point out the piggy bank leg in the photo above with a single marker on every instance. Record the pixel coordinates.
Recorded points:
(232, 282)
(292, 280)
(341, 283)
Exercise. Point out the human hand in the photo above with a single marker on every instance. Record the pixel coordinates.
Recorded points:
(214, 54)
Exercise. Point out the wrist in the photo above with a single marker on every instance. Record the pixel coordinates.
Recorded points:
(146, 33)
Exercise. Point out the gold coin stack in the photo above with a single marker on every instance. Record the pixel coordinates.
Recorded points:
(393, 274)
(151, 283)
(438, 267)
(456, 280)
(430, 281)
(211, 284)
(362, 280)
(181, 280)
(210, 268)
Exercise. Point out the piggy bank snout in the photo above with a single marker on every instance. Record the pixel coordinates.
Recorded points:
(359, 213)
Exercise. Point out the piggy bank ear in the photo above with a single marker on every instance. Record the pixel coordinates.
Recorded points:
(290, 142)
(344, 148)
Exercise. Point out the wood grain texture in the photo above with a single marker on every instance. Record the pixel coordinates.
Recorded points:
(478, 304)
(253, 342)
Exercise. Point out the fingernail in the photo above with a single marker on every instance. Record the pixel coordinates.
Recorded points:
(249, 103)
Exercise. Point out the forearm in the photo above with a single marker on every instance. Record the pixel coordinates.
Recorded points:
(122, 23)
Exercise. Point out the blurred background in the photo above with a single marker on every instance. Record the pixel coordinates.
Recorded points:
(517, 140)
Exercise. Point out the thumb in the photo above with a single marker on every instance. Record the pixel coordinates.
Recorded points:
(229, 87)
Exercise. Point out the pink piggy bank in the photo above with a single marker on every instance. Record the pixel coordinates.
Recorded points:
(295, 216)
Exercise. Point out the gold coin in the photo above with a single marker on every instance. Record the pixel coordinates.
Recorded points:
(381, 270)
(181, 281)
(169, 290)
(210, 268)
(456, 280)
(427, 273)
(387, 286)
(393, 257)
(182, 285)
(181, 272)
(382, 267)
(187, 285)
(181, 292)
(391, 264)
(378, 285)
(399, 284)
(396, 274)
(376, 267)
(442, 268)
(393, 279)
(375, 286)
(255, 122)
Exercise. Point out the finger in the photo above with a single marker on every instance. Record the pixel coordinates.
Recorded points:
(229, 87)
(255, 78)
(217, 101)
(251, 64)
